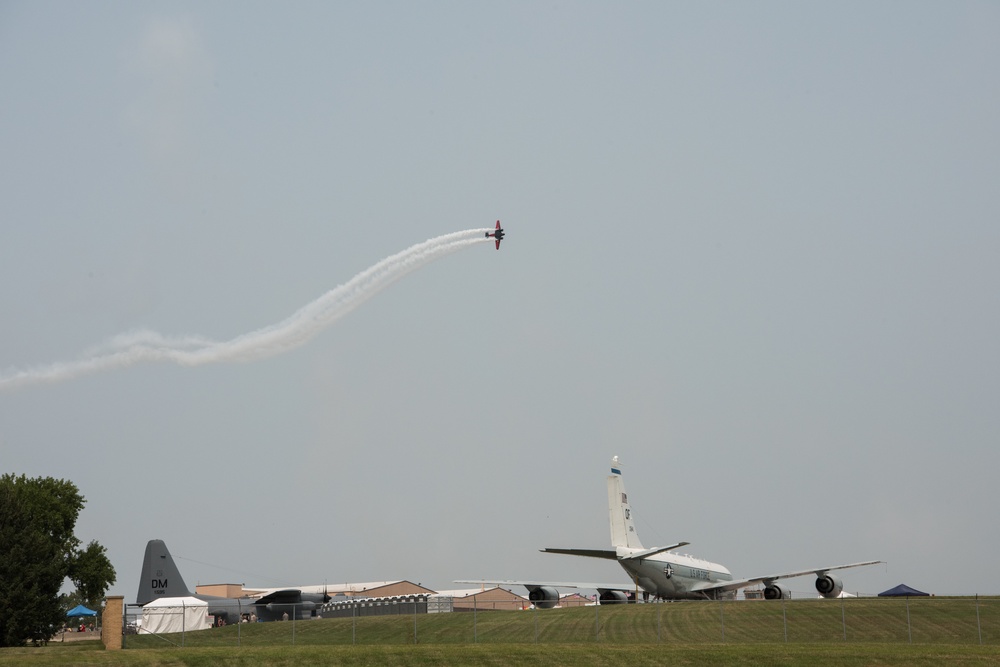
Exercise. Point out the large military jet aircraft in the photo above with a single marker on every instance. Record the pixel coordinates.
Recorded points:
(161, 579)
(659, 572)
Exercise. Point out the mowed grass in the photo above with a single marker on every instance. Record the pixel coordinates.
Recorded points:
(547, 655)
(939, 630)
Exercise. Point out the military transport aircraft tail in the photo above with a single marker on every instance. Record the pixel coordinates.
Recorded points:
(622, 524)
(160, 577)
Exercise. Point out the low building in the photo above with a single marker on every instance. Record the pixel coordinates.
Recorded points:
(574, 600)
(384, 589)
(221, 590)
(470, 599)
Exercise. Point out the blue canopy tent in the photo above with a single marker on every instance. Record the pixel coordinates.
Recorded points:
(901, 591)
(80, 610)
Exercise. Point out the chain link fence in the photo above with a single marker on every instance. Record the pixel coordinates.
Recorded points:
(438, 619)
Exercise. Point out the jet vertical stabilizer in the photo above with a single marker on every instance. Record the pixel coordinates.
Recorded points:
(160, 577)
(622, 524)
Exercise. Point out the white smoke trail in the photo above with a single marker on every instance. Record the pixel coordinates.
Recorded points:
(139, 346)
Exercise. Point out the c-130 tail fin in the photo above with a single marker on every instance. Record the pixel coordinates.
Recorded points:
(160, 577)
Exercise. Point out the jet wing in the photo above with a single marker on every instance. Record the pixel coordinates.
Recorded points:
(742, 583)
(552, 584)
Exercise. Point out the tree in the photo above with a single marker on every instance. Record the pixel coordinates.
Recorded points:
(92, 573)
(38, 551)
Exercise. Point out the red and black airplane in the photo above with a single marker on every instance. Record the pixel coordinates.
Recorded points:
(498, 234)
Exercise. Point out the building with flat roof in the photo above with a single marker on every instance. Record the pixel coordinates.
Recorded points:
(469, 599)
(221, 590)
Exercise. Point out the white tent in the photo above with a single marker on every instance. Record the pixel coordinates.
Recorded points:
(165, 615)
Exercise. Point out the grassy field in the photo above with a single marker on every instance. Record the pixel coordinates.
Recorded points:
(704, 633)
(555, 655)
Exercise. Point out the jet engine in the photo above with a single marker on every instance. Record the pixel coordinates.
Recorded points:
(829, 586)
(544, 597)
(776, 592)
(613, 597)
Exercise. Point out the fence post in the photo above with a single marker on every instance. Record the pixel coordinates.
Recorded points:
(843, 618)
(183, 620)
(722, 620)
(354, 619)
(597, 619)
(784, 619)
(909, 630)
(979, 626)
(293, 625)
(475, 612)
(239, 621)
(414, 620)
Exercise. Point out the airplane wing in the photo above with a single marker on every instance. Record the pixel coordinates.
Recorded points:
(742, 583)
(286, 596)
(550, 584)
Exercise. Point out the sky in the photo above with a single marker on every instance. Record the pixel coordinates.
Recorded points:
(752, 249)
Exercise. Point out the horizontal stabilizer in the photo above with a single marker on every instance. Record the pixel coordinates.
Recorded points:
(646, 553)
(590, 553)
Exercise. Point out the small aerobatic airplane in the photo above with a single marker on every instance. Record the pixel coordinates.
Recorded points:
(663, 574)
(498, 234)
(161, 579)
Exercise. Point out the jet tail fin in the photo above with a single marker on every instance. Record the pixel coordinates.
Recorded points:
(622, 524)
(160, 577)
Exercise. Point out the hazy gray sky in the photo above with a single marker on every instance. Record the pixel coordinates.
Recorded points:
(753, 249)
